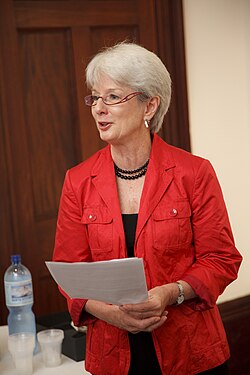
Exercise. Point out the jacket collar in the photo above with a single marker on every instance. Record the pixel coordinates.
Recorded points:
(158, 177)
(104, 180)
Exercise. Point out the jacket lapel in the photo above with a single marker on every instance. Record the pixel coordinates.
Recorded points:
(103, 178)
(158, 178)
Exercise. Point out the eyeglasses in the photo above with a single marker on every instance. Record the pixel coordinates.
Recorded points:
(110, 99)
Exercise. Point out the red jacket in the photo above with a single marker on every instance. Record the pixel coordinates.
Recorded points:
(183, 232)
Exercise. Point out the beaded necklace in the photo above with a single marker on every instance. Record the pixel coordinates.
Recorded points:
(131, 174)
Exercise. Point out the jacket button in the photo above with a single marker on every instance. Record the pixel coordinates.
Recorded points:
(92, 217)
(173, 212)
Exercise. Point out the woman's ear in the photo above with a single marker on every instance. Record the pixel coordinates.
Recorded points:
(152, 106)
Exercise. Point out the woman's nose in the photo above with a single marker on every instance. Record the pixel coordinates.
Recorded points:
(100, 106)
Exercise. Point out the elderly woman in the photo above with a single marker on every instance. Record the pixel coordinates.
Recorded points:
(142, 197)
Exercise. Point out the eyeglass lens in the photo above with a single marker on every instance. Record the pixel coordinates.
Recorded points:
(110, 99)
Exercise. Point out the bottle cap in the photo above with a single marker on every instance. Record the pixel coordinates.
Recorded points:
(16, 258)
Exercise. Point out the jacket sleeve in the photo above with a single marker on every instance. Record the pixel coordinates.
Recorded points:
(216, 258)
(71, 245)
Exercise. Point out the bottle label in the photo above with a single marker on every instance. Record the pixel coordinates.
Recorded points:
(18, 293)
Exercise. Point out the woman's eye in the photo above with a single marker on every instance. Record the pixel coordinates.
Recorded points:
(113, 98)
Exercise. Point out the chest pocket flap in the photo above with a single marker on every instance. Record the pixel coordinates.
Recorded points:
(99, 224)
(172, 210)
(172, 225)
(96, 215)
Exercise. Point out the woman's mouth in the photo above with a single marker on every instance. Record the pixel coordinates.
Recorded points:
(104, 125)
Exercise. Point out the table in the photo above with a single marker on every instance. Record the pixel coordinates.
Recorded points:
(7, 366)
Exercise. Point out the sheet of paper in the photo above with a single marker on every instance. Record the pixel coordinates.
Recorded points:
(117, 281)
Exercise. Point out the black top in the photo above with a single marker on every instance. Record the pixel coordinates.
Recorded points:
(143, 356)
(129, 225)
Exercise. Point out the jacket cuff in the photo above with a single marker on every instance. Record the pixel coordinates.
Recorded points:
(203, 301)
(79, 316)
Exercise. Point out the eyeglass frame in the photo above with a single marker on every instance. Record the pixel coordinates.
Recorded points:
(123, 100)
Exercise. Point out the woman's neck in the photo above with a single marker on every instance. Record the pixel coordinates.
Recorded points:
(131, 156)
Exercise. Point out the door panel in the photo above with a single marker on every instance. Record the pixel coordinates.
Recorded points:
(50, 122)
(45, 126)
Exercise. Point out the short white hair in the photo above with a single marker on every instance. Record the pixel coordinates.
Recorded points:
(138, 68)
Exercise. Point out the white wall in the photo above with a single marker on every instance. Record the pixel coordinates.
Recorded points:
(217, 37)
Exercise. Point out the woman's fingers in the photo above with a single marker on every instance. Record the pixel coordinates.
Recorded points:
(144, 310)
(147, 314)
(137, 307)
(141, 323)
(150, 326)
(157, 325)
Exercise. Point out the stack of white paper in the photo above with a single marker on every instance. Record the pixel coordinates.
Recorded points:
(117, 281)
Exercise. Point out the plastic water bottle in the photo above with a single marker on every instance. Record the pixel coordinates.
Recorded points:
(19, 297)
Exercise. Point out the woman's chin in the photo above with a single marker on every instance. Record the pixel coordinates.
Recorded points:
(106, 137)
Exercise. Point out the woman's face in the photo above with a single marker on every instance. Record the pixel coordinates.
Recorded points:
(121, 123)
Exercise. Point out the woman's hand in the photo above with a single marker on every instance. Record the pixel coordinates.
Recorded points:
(118, 317)
(154, 307)
(145, 316)
(135, 322)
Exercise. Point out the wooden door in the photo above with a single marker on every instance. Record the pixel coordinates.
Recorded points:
(44, 126)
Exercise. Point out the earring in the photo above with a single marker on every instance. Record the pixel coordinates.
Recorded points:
(146, 122)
